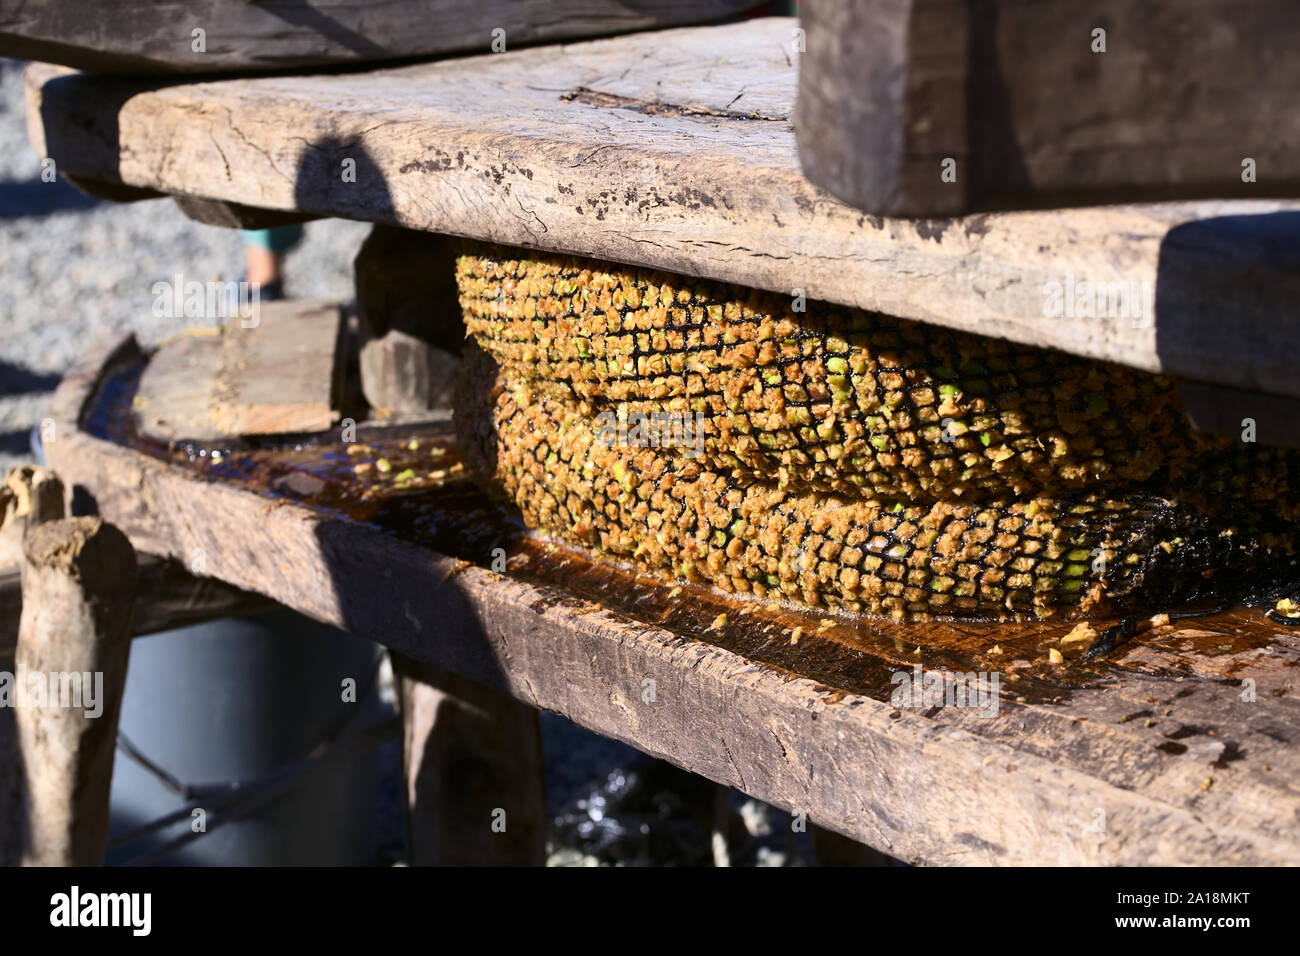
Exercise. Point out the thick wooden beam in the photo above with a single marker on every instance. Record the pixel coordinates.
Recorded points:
(78, 590)
(662, 151)
(159, 36)
(943, 107)
(472, 771)
(1181, 752)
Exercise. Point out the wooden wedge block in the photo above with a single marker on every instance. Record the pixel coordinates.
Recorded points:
(283, 374)
(942, 107)
(280, 371)
(410, 320)
(175, 395)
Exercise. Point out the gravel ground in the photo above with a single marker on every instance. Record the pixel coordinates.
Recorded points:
(73, 269)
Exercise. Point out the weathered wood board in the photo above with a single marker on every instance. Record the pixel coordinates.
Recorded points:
(281, 369)
(675, 150)
(175, 396)
(278, 371)
(1035, 104)
(1181, 750)
(159, 36)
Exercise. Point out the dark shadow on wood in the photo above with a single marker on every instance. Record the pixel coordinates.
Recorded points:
(477, 797)
(303, 14)
(92, 153)
(996, 162)
(480, 752)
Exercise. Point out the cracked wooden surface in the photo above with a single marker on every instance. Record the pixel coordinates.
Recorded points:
(645, 150)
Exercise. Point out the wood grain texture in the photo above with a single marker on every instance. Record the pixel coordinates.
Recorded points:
(882, 103)
(281, 369)
(156, 36)
(472, 771)
(1157, 759)
(79, 581)
(1035, 111)
(174, 401)
(676, 150)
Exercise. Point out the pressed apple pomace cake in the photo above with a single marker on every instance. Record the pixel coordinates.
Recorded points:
(840, 458)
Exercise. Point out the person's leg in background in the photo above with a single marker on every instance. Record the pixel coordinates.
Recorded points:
(264, 251)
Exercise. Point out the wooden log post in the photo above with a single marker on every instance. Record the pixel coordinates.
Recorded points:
(410, 321)
(79, 580)
(472, 771)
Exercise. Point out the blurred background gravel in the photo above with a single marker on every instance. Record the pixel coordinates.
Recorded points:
(74, 269)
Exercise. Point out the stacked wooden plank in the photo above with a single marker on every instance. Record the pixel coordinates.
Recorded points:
(676, 150)
(278, 371)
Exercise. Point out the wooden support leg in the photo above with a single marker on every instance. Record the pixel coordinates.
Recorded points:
(473, 771)
(79, 581)
(409, 316)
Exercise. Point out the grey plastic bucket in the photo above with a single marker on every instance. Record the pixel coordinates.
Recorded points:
(236, 700)
(233, 701)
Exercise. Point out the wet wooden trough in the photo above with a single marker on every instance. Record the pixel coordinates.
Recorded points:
(1178, 748)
